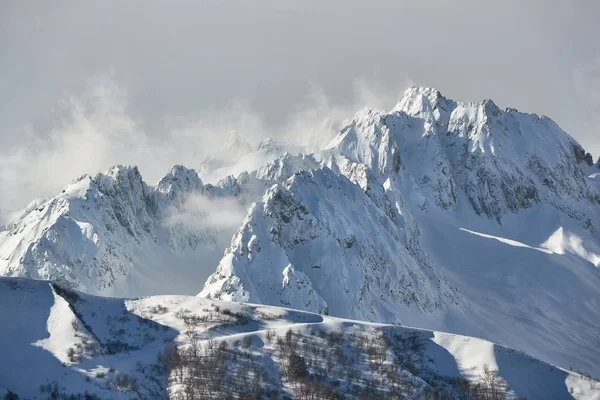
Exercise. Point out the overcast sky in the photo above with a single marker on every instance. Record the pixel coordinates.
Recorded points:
(88, 84)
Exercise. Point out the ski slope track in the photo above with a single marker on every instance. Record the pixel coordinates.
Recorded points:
(450, 216)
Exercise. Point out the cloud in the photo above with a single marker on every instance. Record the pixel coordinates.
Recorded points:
(318, 118)
(100, 127)
(586, 83)
(91, 131)
(202, 214)
(187, 74)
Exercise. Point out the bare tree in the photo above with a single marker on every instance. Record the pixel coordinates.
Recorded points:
(270, 336)
(490, 385)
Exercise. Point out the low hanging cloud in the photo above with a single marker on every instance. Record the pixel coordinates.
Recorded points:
(208, 222)
(202, 214)
(99, 128)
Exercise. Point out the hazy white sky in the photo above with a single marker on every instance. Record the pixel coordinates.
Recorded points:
(88, 84)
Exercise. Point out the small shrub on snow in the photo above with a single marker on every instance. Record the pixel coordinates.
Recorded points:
(125, 382)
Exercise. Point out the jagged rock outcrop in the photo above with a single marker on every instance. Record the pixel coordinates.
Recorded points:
(173, 189)
(503, 161)
(95, 234)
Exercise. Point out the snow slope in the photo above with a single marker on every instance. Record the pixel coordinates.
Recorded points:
(320, 228)
(121, 338)
(469, 219)
(451, 216)
(40, 325)
(112, 234)
(516, 290)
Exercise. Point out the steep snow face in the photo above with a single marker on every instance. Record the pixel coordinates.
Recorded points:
(62, 337)
(108, 235)
(504, 161)
(115, 235)
(173, 189)
(319, 243)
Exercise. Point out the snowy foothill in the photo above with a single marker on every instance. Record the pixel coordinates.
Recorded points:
(63, 343)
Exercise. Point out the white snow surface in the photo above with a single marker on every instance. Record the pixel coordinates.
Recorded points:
(320, 228)
(463, 218)
(450, 216)
(114, 235)
(41, 321)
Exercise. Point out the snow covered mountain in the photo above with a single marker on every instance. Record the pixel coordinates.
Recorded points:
(462, 217)
(112, 234)
(74, 345)
(502, 161)
(320, 228)
(451, 216)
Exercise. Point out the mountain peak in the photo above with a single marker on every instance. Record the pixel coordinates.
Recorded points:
(180, 176)
(419, 96)
(174, 188)
(119, 171)
(490, 108)
(504, 161)
(120, 176)
(429, 92)
(427, 103)
(269, 146)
